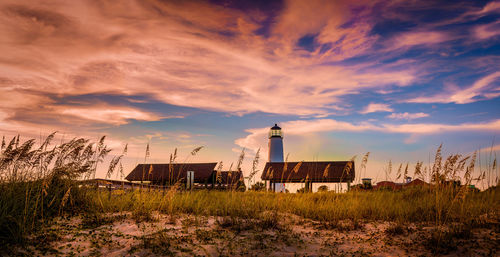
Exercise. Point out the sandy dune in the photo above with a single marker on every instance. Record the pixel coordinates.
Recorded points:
(185, 235)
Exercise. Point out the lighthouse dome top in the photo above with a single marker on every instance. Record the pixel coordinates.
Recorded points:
(275, 131)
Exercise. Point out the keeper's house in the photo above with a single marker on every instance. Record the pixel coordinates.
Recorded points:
(205, 175)
(282, 173)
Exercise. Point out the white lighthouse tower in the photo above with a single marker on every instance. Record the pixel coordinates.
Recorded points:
(276, 152)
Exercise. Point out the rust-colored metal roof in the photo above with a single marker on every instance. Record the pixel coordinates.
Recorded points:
(164, 173)
(416, 182)
(296, 172)
(388, 184)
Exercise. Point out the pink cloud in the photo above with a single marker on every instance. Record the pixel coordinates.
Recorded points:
(407, 116)
(492, 7)
(419, 38)
(191, 54)
(485, 88)
(179, 57)
(112, 114)
(257, 136)
(374, 107)
(491, 149)
(441, 128)
(486, 31)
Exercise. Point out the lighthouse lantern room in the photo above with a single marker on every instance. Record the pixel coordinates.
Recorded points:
(276, 154)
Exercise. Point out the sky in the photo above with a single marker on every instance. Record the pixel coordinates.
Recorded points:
(342, 78)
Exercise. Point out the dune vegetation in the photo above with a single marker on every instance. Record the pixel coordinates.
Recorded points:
(41, 186)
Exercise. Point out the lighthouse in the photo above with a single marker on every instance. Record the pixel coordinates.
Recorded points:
(276, 153)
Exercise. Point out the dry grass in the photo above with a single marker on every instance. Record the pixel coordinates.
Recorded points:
(41, 183)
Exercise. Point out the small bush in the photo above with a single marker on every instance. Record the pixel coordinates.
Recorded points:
(396, 229)
(323, 188)
(159, 243)
(440, 242)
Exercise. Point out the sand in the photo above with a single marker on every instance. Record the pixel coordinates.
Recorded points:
(120, 234)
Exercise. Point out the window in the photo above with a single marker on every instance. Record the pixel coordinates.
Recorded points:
(275, 132)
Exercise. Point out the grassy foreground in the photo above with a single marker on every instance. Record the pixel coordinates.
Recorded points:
(41, 184)
(256, 223)
(412, 205)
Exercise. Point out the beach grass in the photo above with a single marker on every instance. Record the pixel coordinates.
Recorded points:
(38, 184)
(410, 205)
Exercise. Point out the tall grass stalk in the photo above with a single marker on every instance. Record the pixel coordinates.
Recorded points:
(38, 183)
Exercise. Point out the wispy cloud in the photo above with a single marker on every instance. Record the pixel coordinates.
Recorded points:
(256, 137)
(484, 88)
(492, 7)
(112, 115)
(376, 107)
(491, 149)
(197, 54)
(409, 39)
(189, 54)
(486, 31)
(407, 116)
(303, 60)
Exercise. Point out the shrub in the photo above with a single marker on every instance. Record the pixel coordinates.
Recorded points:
(323, 188)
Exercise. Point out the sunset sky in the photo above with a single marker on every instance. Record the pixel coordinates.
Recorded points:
(395, 78)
